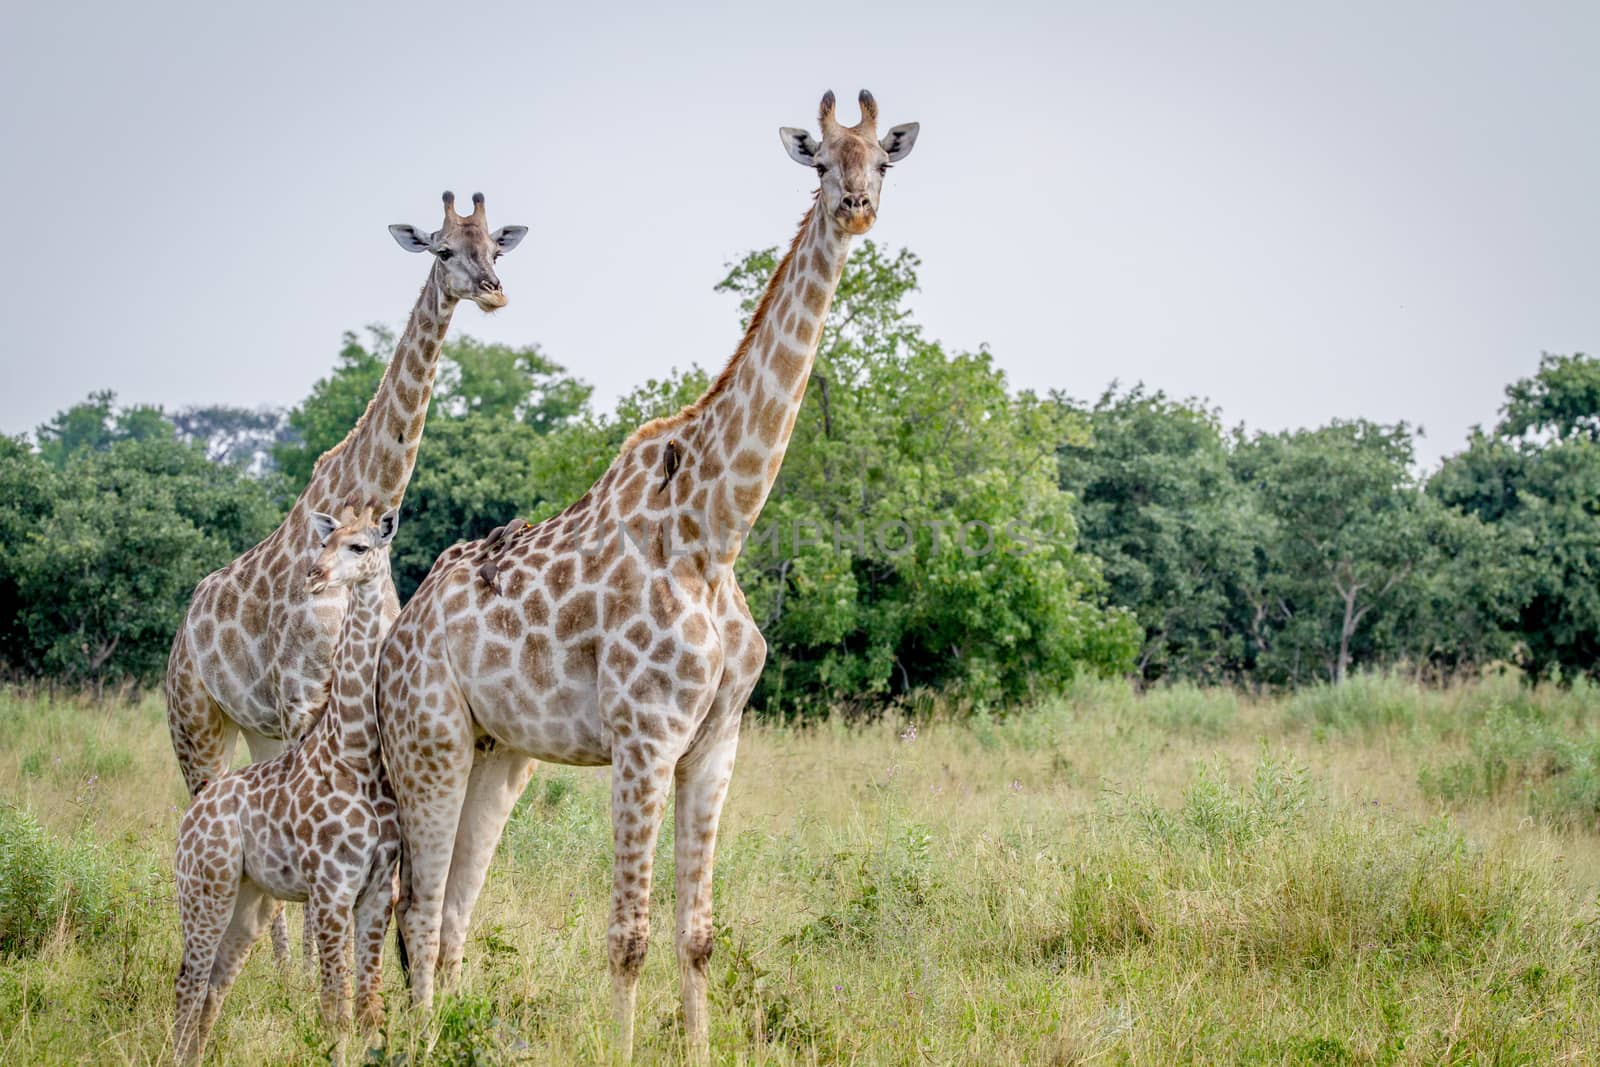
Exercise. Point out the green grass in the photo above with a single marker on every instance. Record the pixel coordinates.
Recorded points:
(1384, 874)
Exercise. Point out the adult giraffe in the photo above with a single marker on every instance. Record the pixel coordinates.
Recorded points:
(615, 633)
(255, 652)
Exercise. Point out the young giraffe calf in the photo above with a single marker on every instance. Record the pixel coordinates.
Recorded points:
(316, 824)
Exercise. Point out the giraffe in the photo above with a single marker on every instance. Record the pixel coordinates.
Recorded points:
(615, 633)
(316, 823)
(255, 650)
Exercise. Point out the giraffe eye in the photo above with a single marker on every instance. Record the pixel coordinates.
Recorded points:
(444, 253)
(358, 549)
(822, 168)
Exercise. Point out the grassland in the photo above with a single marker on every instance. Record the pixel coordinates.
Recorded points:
(1377, 874)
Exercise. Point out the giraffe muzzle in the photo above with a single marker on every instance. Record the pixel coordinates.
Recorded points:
(856, 213)
(490, 296)
(316, 581)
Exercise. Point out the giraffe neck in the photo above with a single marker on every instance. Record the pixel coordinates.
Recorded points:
(375, 460)
(351, 728)
(735, 442)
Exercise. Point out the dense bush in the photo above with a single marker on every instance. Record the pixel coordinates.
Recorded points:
(100, 549)
(47, 887)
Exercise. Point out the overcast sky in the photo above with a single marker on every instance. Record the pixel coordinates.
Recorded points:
(1386, 210)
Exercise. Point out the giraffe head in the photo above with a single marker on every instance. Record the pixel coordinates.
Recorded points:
(850, 160)
(464, 251)
(350, 543)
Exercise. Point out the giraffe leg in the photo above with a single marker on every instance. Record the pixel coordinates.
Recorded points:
(262, 748)
(308, 939)
(639, 783)
(429, 795)
(280, 936)
(371, 926)
(206, 913)
(331, 908)
(203, 737)
(703, 778)
(208, 873)
(496, 782)
(251, 913)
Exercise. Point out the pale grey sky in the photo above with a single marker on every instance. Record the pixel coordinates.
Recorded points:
(1385, 209)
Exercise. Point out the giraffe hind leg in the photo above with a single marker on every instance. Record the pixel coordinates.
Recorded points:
(702, 786)
(429, 795)
(639, 784)
(251, 912)
(203, 737)
(495, 783)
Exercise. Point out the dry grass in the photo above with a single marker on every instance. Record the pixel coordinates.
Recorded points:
(1187, 876)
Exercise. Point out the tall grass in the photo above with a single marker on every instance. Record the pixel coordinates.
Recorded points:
(1182, 876)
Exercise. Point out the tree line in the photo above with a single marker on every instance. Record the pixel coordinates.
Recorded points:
(1140, 534)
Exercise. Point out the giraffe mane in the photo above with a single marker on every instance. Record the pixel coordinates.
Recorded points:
(724, 381)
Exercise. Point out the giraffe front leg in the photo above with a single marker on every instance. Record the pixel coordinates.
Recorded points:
(496, 782)
(639, 783)
(371, 926)
(330, 909)
(703, 779)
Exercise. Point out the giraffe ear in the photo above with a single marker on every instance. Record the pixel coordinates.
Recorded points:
(323, 525)
(898, 142)
(388, 523)
(508, 237)
(800, 145)
(411, 239)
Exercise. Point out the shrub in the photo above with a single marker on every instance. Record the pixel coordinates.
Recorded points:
(1513, 752)
(46, 886)
(1362, 702)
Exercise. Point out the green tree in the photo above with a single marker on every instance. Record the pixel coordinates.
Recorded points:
(1457, 610)
(506, 382)
(1562, 399)
(1347, 532)
(1535, 478)
(96, 425)
(100, 557)
(917, 537)
(237, 436)
(1177, 535)
(28, 487)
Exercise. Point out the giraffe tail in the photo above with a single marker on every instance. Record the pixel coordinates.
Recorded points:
(402, 906)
